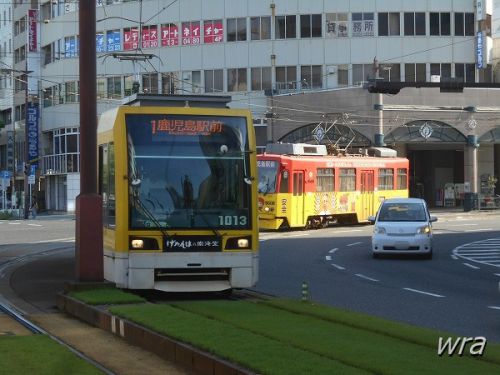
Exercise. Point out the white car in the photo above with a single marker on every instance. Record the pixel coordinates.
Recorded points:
(402, 226)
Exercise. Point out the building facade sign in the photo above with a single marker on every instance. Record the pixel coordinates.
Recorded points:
(10, 151)
(32, 30)
(480, 46)
(32, 129)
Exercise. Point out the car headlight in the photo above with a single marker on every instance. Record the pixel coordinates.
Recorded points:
(379, 230)
(424, 230)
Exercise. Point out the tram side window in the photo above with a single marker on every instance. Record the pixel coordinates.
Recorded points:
(284, 182)
(402, 178)
(325, 179)
(107, 183)
(347, 179)
(386, 179)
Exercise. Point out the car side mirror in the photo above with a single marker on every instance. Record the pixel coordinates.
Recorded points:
(371, 219)
(433, 219)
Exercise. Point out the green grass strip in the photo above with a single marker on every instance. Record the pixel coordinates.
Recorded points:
(261, 354)
(361, 348)
(106, 296)
(38, 354)
(417, 335)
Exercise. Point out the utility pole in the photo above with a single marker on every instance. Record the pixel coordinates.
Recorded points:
(89, 247)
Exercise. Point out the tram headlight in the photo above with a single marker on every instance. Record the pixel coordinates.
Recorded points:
(266, 209)
(137, 244)
(143, 243)
(239, 243)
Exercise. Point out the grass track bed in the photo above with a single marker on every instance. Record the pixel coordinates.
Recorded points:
(272, 340)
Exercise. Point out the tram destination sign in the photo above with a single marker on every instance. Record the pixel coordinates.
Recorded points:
(192, 243)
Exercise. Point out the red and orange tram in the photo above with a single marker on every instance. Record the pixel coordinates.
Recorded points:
(301, 186)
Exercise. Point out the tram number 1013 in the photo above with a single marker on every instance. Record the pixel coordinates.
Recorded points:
(230, 220)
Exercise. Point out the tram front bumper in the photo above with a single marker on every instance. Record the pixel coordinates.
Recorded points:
(270, 224)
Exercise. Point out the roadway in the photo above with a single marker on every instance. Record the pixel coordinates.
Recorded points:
(457, 291)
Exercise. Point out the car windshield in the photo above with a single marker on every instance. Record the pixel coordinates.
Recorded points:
(402, 212)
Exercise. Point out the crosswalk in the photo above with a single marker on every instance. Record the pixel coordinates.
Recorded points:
(484, 252)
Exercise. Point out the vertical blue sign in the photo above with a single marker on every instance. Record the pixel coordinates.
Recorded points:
(113, 40)
(10, 151)
(100, 46)
(32, 129)
(479, 50)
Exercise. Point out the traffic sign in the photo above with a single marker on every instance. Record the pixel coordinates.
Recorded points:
(31, 179)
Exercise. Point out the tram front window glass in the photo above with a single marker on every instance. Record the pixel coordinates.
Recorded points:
(188, 171)
(267, 176)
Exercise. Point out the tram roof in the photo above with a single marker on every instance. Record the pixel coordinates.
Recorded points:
(159, 100)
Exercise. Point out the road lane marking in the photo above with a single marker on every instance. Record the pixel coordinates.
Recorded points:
(462, 225)
(422, 292)
(36, 225)
(348, 231)
(479, 230)
(454, 257)
(366, 277)
(299, 235)
(14, 223)
(328, 258)
(338, 267)
(496, 274)
(494, 307)
(333, 250)
(471, 266)
(354, 243)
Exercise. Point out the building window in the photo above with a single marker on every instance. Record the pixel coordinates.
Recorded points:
(336, 25)
(362, 24)
(114, 87)
(190, 33)
(128, 85)
(311, 77)
(286, 77)
(213, 32)
(150, 83)
(343, 75)
(169, 83)
(237, 79)
(261, 78)
(71, 91)
(347, 179)
(386, 179)
(442, 70)
(390, 72)
(414, 23)
(439, 23)
(415, 73)
(402, 178)
(214, 81)
(260, 28)
(101, 88)
(388, 24)
(285, 27)
(325, 179)
(466, 71)
(236, 29)
(169, 35)
(70, 46)
(362, 73)
(464, 24)
(310, 26)
(191, 81)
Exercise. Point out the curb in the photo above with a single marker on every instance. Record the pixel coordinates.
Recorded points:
(165, 347)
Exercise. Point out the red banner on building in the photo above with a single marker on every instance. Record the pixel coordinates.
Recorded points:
(130, 38)
(190, 33)
(169, 35)
(149, 36)
(32, 30)
(213, 32)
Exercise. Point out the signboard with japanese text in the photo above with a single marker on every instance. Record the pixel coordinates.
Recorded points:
(100, 45)
(32, 127)
(169, 35)
(213, 32)
(335, 27)
(10, 151)
(480, 55)
(192, 243)
(32, 30)
(190, 33)
(113, 40)
(130, 38)
(149, 36)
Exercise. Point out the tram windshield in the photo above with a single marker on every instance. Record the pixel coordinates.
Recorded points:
(188, 171)
(267, 170)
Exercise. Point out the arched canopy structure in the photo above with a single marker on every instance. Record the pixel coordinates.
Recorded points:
(425, 131)
(324, 133)
(492, 136)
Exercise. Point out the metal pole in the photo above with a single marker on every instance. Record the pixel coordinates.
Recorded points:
(89, 253)
(26, 144)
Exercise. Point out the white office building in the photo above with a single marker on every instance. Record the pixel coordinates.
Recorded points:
(299, 66)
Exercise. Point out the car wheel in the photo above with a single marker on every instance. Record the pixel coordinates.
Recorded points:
(375, 255)
(428, 255)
